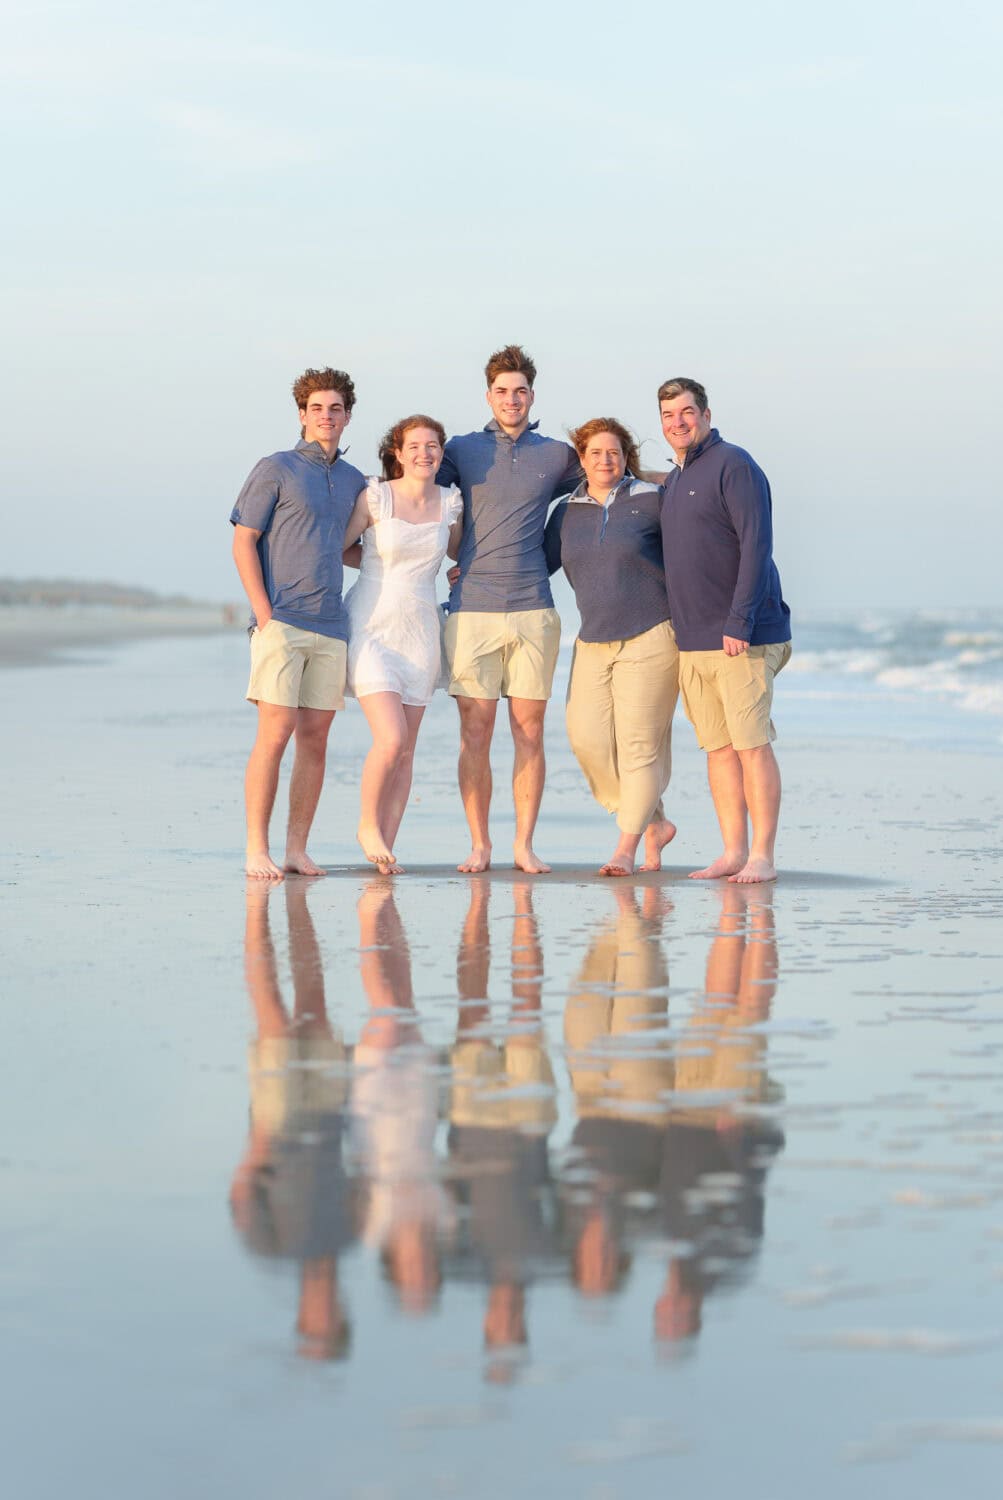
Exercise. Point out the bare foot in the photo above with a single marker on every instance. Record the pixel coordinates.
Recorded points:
(725, 864)
(298, 862)
(477, 861)
(754, 872)
(656, 836)
(260, 866)
(374, 846)
(389, 866)
(525, 859)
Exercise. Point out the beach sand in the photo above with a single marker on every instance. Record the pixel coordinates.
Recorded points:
(769, 1125)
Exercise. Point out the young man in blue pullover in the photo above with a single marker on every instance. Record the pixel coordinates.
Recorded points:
(503, 633)
(731, 623)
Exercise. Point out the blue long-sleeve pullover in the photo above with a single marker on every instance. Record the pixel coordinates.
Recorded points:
(612, 557)
(717, 542)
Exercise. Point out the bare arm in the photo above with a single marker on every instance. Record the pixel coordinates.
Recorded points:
(357, 523)
(455, 537)
(245, 555)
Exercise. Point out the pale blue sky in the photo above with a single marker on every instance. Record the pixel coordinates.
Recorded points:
(794, 204)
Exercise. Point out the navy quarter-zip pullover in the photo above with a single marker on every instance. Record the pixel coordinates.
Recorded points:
(507, 489)
(717, 541)
(612, 557)
(301, 502)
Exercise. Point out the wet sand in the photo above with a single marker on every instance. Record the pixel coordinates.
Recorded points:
(490, 1185)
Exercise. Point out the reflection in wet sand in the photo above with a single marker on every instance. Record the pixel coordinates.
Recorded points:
(394, 1110)
(502, 1109)
(291, 1196)
(440, 1162)
(663, 1148)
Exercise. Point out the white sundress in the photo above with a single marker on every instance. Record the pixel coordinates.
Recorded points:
(394, 643)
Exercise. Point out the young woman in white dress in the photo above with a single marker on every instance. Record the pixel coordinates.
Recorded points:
(407, 524)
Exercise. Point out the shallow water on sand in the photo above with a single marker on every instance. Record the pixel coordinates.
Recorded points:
(460, 1186)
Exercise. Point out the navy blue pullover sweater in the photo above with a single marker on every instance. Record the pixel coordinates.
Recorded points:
(612, 557)
(717, 540)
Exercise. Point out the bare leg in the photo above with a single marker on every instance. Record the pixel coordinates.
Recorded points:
(399, 790)
(385, 716)
(275, 726)
(477, 726)
(525, 716)
(724, 773)
(761, 778)
(312, 728)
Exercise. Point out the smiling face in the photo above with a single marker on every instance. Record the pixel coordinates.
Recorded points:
(604, 462)
(510, 397)
(683, 423)
(324, 419)
(419, 454)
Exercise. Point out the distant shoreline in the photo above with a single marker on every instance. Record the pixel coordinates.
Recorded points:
(37, 634)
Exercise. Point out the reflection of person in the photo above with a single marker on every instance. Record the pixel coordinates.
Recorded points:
(502, 1111)
(621, 1076)
(407, 524)
(625, 673)
(503, 634)
(394, 1111)
(289, 523)
(732, 625)
(291, 1196)
(715, 1157)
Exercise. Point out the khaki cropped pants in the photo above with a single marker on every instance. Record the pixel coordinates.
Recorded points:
(621, 698)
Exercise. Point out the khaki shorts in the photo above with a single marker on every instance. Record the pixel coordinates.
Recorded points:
(728, 698)
(296, 668)
(502, 655)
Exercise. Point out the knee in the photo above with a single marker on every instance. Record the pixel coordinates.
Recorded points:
(475, 736)
(528, 734)
(392, 748)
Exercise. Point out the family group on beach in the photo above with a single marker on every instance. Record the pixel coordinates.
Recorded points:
(674, 580)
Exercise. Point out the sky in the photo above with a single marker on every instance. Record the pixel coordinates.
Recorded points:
(792, 203)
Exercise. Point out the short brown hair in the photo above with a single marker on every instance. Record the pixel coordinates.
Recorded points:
(393, 439)
(512, 360)
(582, 436)
(324, 380)
(670, 389)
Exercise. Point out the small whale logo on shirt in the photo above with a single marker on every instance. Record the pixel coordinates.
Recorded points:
(692, 492)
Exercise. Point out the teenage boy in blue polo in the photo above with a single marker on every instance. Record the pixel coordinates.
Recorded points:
(732, 626)
(503, 633)
(289, 528)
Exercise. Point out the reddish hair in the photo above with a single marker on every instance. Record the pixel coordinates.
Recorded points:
(393, 440)
(582, 436)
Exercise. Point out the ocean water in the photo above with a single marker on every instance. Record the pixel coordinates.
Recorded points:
(478, 1186)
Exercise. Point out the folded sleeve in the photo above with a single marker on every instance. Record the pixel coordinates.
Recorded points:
(257, 500)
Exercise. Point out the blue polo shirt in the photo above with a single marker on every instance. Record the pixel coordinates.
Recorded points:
(301, 502)
(507, 489)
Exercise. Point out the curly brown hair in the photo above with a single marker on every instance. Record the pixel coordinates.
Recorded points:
(582, 436)
(324, 380)
(393, 440)
(512, 360)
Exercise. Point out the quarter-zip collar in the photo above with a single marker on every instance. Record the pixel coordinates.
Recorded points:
(316, 455)
(708, 442)
(581, 495)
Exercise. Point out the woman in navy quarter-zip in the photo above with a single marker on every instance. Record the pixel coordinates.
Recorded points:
(625, 672)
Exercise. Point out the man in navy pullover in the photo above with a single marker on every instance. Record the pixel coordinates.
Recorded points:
(731, 623)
